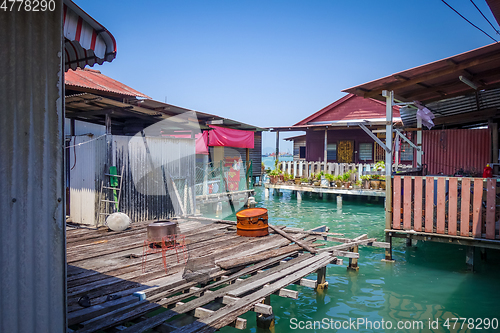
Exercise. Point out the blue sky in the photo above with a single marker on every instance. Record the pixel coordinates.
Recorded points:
(273, 63)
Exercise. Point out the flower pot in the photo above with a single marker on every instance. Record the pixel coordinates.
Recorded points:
(347, 185)
(338, 183)
(317, 183)
(297, 181)
(382, 184)
(375, 183)
(366, 184)
(324, 181)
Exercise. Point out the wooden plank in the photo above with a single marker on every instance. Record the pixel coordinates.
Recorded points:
(452, 205)
(250, 259)
(477, 207)
(189, 306)
(429, 204)
(222, 317)
(346, 246)
(491, 185)
(407, 204)
(441, 209)
(296, 241)
(396, 204)
(417, 204)
(465, 208)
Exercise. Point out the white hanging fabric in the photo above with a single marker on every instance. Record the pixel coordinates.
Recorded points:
(424, 114)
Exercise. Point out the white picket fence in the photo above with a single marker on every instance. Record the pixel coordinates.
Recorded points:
(303, 168)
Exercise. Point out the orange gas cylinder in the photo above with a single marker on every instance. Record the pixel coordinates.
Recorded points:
(252, 222)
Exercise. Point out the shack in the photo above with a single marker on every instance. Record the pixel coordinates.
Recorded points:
(454, 204)
(151, 160)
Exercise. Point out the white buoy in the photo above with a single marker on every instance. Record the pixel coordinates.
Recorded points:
(118, 221)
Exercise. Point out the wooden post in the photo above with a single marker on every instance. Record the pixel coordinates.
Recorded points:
(299, 196)
(389, 98)
(353, 262)
(388, 251)
(266, 321)
(321, 280)
(277, 144)
(419, 142)
(248, 175)
(408, 242)
(469, 258)
(339, 202)
(326, 147)
(266, 193)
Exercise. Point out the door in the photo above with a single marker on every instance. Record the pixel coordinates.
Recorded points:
(345, 151)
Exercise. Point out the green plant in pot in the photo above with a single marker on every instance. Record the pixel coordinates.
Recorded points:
(275, 176)
(375, 182)
(358, 183)
(380, 165)
(366, 182)
(346, 179)
(330, 178)
(338, 180)
(382, 182)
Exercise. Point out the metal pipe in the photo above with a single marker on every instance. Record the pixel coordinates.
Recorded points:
(389, 97)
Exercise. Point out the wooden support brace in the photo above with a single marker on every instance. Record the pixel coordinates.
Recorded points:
(201, 313)
(353, 263)
(258, 308)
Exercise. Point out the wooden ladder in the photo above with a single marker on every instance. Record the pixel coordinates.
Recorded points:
(114, 184)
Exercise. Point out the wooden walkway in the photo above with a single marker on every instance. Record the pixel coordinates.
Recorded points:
(105, 270)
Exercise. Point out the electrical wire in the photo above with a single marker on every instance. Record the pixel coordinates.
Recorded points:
(498, 32)
(475, 26)
(82, 143)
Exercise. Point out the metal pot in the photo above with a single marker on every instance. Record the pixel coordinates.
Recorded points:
(158, 230)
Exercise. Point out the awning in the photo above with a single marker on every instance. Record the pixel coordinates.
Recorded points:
(86, 41)
(440, 79)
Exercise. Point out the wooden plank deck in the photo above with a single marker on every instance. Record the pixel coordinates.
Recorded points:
(332, 190)
(106, 268)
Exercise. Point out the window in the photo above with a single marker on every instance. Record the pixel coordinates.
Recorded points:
(365, 151)
(302, 152)
(331, 151)
(406, 153)
(295, 151)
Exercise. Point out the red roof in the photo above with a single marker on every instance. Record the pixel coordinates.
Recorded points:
(91, 80)
(350, 107)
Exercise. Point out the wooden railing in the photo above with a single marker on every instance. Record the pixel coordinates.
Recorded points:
(453, 206)
(305, 168)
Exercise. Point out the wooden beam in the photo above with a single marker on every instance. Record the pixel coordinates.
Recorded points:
(296, 241)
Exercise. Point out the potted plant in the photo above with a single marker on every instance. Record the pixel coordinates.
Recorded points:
(275, 176)
(382, 182)
(366, 182)
(380, 165)
(298, 180)
(358, 184)
(304, 181)
(353, 173)
(346, 179)
(338, 181)
(375, 182)
(330, 179)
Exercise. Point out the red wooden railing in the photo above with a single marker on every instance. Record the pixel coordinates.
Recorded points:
(454, 206)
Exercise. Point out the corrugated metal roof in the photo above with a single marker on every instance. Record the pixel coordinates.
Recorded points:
(440, 79)
(93, 80)
(447, 111)
(32, 227)
(349, 107)
(87, 42)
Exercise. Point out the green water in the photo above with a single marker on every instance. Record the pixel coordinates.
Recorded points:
(427, 282)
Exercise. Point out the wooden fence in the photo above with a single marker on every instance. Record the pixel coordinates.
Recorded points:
(452, 206)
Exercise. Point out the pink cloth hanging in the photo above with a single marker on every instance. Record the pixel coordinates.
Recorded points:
(227, 137)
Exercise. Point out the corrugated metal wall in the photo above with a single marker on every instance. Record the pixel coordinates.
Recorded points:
(86, 158)
(32, 233)
(447, 151)
(146, 193)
